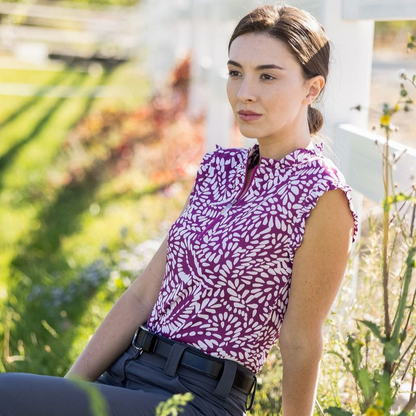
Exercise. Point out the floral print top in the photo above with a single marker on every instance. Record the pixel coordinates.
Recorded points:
(230, 254)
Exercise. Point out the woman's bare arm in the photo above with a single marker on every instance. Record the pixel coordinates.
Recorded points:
(318, 268)
(116, 331)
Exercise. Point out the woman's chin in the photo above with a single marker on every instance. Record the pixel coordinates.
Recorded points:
(248, 133)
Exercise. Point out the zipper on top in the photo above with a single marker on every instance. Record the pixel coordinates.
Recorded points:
(232, 203)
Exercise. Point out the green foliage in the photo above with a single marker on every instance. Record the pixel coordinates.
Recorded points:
(337, 411)
(380, 355)
(268, 399)
(52, 277)
(174, 405)
(395, 25)
(375, 329)
(387, 31)
(411, 44)
(401, 197)
(98, 405)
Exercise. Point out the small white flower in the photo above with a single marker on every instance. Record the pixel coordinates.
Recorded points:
(401, 73)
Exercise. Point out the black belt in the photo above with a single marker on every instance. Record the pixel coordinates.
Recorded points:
(147, 341)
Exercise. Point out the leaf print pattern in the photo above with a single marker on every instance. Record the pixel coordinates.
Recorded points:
(230, 256)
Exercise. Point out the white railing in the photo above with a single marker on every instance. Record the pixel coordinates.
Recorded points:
(379, 9)
(105, 31)
(358, 154)
(206, 26)
(171, 28)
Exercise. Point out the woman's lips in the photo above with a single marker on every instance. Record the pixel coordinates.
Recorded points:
(248, 115)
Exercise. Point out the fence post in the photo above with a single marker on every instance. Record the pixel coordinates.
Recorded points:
(349, 81)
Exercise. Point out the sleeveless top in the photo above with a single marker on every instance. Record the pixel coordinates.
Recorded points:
(229, 257)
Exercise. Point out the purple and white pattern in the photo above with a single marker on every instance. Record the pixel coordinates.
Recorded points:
(229, 260)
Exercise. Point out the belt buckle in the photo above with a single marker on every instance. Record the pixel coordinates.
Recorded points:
(133, 342)
(147, 342)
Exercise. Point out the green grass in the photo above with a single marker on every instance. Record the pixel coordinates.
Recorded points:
(48, 234)
(32, 130)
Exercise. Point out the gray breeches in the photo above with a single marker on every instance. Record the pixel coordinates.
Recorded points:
(132, 386)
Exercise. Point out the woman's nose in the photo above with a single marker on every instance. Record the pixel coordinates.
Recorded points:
(246, 92)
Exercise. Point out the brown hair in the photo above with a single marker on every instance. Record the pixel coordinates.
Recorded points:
(303, 35)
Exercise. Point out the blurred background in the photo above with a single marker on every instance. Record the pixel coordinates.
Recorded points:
(106, 108)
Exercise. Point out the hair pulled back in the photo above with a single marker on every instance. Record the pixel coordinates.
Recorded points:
(302, 34)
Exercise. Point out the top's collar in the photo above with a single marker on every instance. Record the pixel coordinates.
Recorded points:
(296, 157)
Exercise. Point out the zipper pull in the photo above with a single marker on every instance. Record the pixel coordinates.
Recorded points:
(227, 207)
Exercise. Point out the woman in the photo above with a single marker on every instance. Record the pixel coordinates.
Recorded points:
(258, 222)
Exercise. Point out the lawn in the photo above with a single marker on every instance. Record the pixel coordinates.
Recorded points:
(53, 234)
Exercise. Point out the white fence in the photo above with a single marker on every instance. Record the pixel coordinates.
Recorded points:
(204, 27)
(361, 162)
(169, 29)
(111, 32)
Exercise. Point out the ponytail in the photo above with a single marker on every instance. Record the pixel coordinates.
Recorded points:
(315, 120)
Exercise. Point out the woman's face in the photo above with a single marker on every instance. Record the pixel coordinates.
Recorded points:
(266, 88)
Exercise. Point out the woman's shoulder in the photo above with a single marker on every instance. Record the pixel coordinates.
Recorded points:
(320, 167)
(322, 175)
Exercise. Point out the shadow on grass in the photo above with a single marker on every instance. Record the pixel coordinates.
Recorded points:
(42, 263)
(54, 82)
(41, 331)
(7, 158)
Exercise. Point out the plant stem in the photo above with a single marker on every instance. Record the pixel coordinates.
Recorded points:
(409, 406)
(402, 358)
(6, 345)
(407, 368)
(412, 305)
(319, 407)
(386, 221)
(403, 298)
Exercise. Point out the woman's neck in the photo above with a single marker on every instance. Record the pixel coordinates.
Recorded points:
(291, 137)
(278, 150)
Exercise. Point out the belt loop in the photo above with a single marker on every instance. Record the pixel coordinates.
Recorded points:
(253, 395)
(227, 379)
(175, 356)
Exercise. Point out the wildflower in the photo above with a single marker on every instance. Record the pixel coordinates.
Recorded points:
(371, 411)
(385, 120)
(396, 107)
(410, 41)
(401, 73)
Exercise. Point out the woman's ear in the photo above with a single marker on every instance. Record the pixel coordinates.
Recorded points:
(314, 87)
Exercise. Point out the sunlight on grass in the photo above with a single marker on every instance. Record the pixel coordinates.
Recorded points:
(48, 233)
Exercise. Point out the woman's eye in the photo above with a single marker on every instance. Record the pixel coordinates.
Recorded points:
(233, 74)
(266, 77)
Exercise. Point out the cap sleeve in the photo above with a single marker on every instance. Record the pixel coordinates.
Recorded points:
(327, 183)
